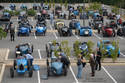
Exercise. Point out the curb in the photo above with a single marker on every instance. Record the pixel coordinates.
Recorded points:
(2, 72)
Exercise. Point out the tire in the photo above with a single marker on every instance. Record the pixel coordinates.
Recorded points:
(48, 71)
(31, 72)
(32, 48)
(118, 55)
(29, 65)
(15, 64)
(11, 72)
(47, 51)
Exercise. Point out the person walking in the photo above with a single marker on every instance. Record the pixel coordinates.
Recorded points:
(92, 63)
(12, 32)
(98, 60)
(80, 62)
(30, 58)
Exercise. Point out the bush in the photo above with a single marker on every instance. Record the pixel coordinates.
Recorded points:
(3, 34)
(31, 12)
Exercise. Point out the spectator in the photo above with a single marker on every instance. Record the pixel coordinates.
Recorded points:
(92, 63)
(80, 65)
(98, 60)
(12, 32)
(30, 58)
(51, 18)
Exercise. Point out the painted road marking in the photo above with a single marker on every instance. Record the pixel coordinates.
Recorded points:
(76, 36)
(74, 75)
(38, 76)
(53, 32)
(97, 36)
(39, 54)
(122, 54)
(121, 38)
(109, 75)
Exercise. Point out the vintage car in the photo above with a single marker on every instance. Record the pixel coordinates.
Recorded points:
(74, 24)
(108, 31)
(21, 66)
(82, 46)
(111, 16)
(107, 46)
(72, 16)
(24, 28)
(1, 7)
(121, 31)
(5, 17)
(105, 12)
(59, 23)
(84, 31)
(23, 7)
(22, 49)
(58, 9)
(65, 31)
(61, 15)
(40, 28)
(46, 7)
(12, 6)
(54, 65)
(36, 6)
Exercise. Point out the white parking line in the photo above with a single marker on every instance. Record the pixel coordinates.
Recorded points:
(109, 75)
(38, 73)
(74, 75)
(35, 36)
(53, 32)
(38, 76)
(76, 36)
(121, 38)
(39, 54)
(97, 36)
(122, 54)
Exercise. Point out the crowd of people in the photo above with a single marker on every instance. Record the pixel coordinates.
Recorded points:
(94, 60)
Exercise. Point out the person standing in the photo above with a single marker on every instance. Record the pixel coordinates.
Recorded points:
(98, 60)
(92, 63)
(51, 18)
(12, 32)
(80, 65)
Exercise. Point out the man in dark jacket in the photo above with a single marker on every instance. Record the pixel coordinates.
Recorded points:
(98, 60)
(92, 64)
(12, 32)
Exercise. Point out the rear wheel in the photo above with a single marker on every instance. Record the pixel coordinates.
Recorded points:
(65, 71)
(11, 72)
(15, 64)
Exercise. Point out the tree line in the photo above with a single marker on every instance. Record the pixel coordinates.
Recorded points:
(118, 3)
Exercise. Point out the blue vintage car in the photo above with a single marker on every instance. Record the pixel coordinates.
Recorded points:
(24, 29)
(90, 13)
(22, 49)
(83, 47)
(84, 31)
(22, 66)
(95, 14)
(12, 6)
(23, 6)
(107, 46)
(76, 12)
(40, 29)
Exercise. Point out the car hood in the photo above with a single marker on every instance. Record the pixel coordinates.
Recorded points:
(83, 47)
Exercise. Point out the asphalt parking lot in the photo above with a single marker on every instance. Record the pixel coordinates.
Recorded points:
(108, 74)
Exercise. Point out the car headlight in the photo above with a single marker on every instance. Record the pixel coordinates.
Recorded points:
(18, 52)
(86, 32)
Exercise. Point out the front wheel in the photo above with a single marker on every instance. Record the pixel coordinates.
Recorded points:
(11, 72)
(31, 72)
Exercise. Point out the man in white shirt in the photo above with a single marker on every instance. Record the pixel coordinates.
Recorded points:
(29, 57)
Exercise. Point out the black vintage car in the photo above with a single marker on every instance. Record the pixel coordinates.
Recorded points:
(121, 31)
(58, 9)
(65, 31)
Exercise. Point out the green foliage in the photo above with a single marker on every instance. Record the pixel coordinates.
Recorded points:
(50, 1)
(53, 3)
(115, 9)
(114, 53)
(65, 48)
(31, 12)
(90, 45)
(12, 13)
(76, 48)
(3, 34)
(46, 2)
(61, 2)
(95, 6)
(80, 10)
(66, 3)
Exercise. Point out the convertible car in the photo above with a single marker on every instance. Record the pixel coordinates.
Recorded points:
(108, 31)
(21, 66)
(40, 28)
(64, 31)
(107, 46)
(74, 24)
(82, 46)
(84, 31)
(6, 17)
(58, 24)
(21, 49)
(12, 6)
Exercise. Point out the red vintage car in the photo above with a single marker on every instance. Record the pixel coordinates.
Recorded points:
(108, 31)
